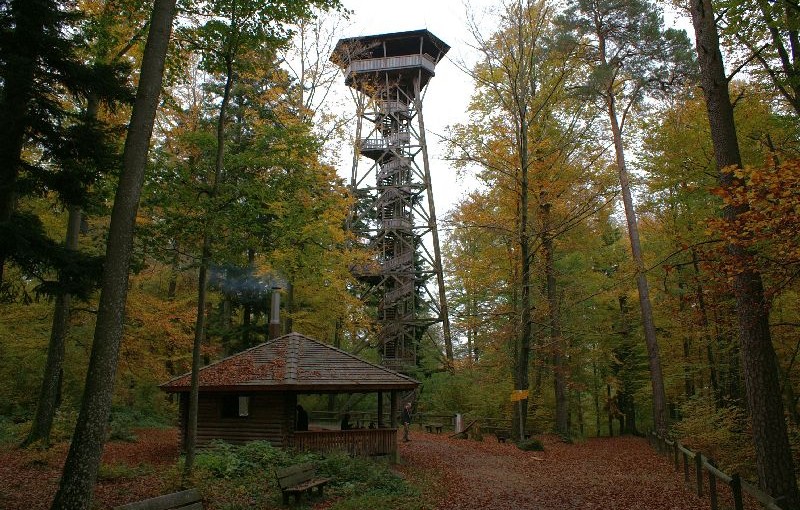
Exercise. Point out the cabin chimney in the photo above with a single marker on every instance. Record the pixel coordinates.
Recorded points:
(274, 316)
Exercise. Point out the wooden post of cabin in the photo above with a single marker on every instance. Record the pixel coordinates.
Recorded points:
(380, 409)
(394, 408)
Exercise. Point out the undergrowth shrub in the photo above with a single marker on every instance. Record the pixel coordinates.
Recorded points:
(63, 426)
(239, 477)
(123, 471)
(531, 445)
(722, 434)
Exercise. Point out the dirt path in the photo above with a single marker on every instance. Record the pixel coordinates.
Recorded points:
(610, 474)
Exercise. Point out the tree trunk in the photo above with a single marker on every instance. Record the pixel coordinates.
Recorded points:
(199, 334)
(773, 454)
(83, 460)
(654, 358)
(50, 391)
(707, 337)
(557, 342)
(596, 400)
(174, 269)
(524, 338)
(202, 284)
(625, 359)
(611, 406)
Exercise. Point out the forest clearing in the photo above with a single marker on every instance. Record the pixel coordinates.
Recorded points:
(449, 474)
(219, 232)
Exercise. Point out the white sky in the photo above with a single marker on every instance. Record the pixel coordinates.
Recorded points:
(448, 93)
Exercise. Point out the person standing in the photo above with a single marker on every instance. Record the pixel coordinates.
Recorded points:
(406, 420)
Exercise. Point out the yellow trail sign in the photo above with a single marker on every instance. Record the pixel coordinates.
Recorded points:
(519, 395)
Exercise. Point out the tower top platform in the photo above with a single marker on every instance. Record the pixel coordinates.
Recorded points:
(413, 42)
(399, 55)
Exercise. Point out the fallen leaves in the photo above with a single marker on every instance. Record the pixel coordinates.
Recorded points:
(607, 473)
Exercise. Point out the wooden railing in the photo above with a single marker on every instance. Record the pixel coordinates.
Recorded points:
(359, 443)
(696, 462)
(391, 63)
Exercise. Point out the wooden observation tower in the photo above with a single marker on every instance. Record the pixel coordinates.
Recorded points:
(394, 210)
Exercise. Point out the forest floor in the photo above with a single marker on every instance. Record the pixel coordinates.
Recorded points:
(620, 473)
(608, 473)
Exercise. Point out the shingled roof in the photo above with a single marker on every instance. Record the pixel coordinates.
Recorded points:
(294, 362)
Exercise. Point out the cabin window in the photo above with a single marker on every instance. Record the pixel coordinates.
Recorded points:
(235, 406)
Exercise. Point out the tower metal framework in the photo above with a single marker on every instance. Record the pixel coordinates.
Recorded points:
(395, 210)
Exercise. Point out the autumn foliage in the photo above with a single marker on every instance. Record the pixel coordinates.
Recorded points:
(769, 224)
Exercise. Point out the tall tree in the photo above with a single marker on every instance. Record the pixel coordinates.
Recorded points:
(83, 459)
(773, 455)
(40, 70)
(523, 134)
(226, 32)
(105, 48)
(631, 56)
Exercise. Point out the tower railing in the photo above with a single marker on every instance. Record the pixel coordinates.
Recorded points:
(388, 63)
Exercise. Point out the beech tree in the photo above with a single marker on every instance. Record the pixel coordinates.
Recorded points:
(523, 135)
(83, 460)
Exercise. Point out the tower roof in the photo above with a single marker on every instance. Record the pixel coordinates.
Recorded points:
(293, 362)
(412, 42)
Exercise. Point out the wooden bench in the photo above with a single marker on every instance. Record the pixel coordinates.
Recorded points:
(502, 435)
(299, 479)
(184, 500)
(431, 427)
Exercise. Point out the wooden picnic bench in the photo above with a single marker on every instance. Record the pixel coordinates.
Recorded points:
(299, 479)
(183, 500)
(502, 435)
(431, 427)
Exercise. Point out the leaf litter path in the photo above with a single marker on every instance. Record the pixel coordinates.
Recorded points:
(621, 473)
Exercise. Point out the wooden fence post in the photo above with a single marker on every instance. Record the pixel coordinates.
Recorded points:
(675, 450)
(712, 486)
(685, 467)
(736, 490)
(698, 464)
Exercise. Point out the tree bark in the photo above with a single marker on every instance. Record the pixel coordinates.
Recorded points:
(762, 387)
(521, 381)
(654, 358)
(556, 341)
(83, 460)
(53, 374)
(202, 283)
(707, 337)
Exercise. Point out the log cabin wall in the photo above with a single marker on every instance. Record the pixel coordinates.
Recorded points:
(270, 417)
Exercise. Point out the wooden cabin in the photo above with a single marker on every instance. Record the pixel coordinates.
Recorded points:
(253, 395)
